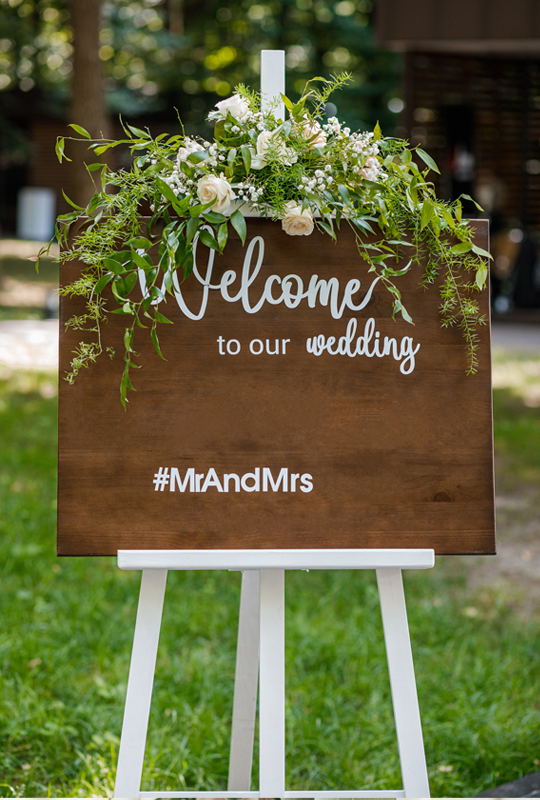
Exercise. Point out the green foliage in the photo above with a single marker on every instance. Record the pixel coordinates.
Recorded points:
(67, 629)
(295, 170)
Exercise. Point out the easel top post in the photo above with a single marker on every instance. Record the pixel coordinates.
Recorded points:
(273, 81)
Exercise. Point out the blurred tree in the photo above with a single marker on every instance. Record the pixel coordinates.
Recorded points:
(87, 105)
(158, 55)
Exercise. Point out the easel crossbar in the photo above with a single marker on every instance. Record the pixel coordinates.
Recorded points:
(285, 795)
(276, 559)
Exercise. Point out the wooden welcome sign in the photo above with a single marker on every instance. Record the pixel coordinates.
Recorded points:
(292, 412)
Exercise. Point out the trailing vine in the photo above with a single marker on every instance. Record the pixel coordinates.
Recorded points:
(303, 171)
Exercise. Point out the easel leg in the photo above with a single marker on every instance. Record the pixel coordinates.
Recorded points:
(403, 684)
(245, 685)
(140, 683)
(272, 683)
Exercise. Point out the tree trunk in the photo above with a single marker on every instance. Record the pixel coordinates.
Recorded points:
(88, 96)
(176, 17)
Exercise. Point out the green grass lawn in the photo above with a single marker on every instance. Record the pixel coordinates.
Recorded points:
(23, 271)
(67, 626)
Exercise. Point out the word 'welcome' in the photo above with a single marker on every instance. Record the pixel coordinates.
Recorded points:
(289, 290)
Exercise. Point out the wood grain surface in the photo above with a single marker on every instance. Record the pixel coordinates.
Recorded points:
(396, 460)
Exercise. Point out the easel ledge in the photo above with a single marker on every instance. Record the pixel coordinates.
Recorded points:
(276, 559)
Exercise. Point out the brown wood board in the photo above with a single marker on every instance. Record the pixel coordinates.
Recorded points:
(395, 460)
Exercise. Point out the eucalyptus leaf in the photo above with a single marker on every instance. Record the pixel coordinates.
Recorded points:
(447, 216)
(481, 277)
(214, 218)
(122, 256)
(328, 228)
(426, 158)
(187, 264)
(144, 262)
(288, 103)
(71, 203)
(246, 157)
(166, 190)
(155, 342)
(130, 282)
(468, 197)
(139, 242)
(207, 239)
(128, 340)
(481, 252)
(102, 282)
(114, 266)
(139, 132)
(239, 224)
(59, 149)
(462, 247)
(427, 214)
(80, 129)
(119, 289)
(192, 227)
(197, 210)
(198, 156)
(344, 192)
(160, 318)
(222, 236)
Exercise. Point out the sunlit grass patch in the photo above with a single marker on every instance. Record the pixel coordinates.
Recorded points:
(519, 373)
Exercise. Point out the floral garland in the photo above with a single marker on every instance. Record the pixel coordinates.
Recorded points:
(303, 171)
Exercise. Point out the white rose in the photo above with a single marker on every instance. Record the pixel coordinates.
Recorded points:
(190, 146)
(211, 188)
(265, 140)
(297, 222)
(310, 129)
(235, 105)
(268, 141)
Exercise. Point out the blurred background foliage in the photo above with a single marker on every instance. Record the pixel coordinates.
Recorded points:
(162, 55)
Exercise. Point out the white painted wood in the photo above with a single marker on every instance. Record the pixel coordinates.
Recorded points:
(156, 795)
(272, 684)
(245, 685)
(276, 559)
(388, 564)
(140, 683)
(273, 81)
(403, 684)
(381, 793)
(256, 795)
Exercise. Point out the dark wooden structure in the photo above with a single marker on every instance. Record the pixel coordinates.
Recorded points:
(467, 26)
(391, 446)
(471, 87)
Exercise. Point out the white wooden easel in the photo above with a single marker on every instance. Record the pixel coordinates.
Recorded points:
(262, 630)
(261, 638)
